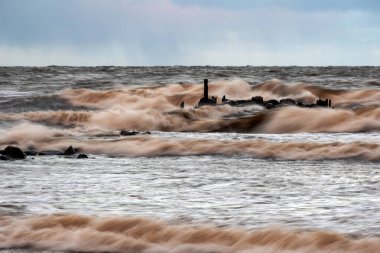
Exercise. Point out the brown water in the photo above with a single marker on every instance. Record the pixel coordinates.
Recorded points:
(210, 179)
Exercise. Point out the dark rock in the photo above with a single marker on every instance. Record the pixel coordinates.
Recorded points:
(1, 152)
(82, 156)
(239, 102)
(258, 100)
(69, 151)
(51, 152)
(4, 157)
(147, 132)
(30, 153)
(272, 101)
(128, 133)
(14, 152)
(269, 105)
(182, 105)
(287, 101)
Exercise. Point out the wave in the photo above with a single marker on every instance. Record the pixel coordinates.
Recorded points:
(69, 232)
(157, 109)
(170, 96)
(43, 138)
(215, 119)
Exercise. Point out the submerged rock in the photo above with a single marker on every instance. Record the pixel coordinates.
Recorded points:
(70, 151)
(30, 153)
(82, 156)
(51, 152)
(287, 101)
(14, 152)
(128, 133)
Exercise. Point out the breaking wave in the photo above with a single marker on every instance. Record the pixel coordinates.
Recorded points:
(157, 109)
(214, 119)
(44, 138)
(138, 234)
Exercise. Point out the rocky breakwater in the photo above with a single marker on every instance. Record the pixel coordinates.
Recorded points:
(15, 153)
(258, 100)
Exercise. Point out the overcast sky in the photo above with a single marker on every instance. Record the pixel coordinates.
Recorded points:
(189, 32)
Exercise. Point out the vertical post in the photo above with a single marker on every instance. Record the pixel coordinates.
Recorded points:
(205, 89)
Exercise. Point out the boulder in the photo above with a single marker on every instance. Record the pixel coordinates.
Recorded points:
(51, 152)
(69, 151)
(82, 156)
(14, 152)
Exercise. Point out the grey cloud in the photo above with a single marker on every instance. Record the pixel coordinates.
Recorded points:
(156, 32)
(302, 5)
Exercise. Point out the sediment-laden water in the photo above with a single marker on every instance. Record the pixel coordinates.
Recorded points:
(208, 179)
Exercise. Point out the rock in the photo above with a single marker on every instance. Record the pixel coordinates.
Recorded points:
(14, 152)
(4, 157)
(128, 133)
(69, 151)
(269, 105)
(273, 102)
(51, 152)
(258, 100)
(287, 101)
(82, 156)
(30, 153)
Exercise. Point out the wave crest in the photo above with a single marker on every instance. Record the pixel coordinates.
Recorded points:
(139, 234)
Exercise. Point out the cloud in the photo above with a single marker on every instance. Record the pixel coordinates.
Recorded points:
(171, 32)
(300, 5)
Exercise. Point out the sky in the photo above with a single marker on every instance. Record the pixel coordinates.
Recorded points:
(189, 32)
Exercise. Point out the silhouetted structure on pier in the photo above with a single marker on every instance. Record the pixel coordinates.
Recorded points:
(205, 100)
(258, 100)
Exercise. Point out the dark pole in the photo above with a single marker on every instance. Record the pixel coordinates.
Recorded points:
(205, 89)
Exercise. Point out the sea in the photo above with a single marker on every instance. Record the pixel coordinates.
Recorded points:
(208, 179)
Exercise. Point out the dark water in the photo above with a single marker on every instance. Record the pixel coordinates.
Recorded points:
(212, 179)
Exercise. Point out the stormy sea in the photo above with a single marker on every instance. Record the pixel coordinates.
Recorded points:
(166, 175)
